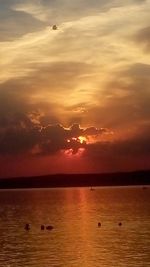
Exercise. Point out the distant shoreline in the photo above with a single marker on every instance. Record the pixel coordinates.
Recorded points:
(78, 180)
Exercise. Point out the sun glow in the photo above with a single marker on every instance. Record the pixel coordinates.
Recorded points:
(72, 153)
(82, 139)
(76, 146)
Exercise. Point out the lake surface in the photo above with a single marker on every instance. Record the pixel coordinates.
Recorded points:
(76, 240)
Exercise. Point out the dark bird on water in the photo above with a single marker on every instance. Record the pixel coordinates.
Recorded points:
(27, 227)
(99, 224)
(120, 224)
(144, 187)
(49, 227)
(42, 227)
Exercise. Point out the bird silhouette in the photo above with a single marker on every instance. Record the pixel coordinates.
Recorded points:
(54, 27)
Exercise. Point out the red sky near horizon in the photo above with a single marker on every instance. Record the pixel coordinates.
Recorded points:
(75, 99)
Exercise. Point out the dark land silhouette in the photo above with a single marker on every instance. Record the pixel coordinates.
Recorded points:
(78, 180)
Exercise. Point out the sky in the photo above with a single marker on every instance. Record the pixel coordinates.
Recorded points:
(75, 99)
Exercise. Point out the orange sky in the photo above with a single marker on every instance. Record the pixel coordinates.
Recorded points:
(75, 99)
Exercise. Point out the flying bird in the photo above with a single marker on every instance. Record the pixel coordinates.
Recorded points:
(54, 27)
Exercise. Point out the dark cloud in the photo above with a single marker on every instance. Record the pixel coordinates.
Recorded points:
(131, 153)
(56, 137)
(18, 113)
(20, 134)
(18, 141)
(136, 146)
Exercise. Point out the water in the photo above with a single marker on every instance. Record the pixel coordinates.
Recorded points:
(76, 240)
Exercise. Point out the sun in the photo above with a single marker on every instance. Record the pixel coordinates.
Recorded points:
(79, 139)
(76, 146)
(82, 139)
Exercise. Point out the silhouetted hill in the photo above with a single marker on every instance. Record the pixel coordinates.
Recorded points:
(74, 180)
